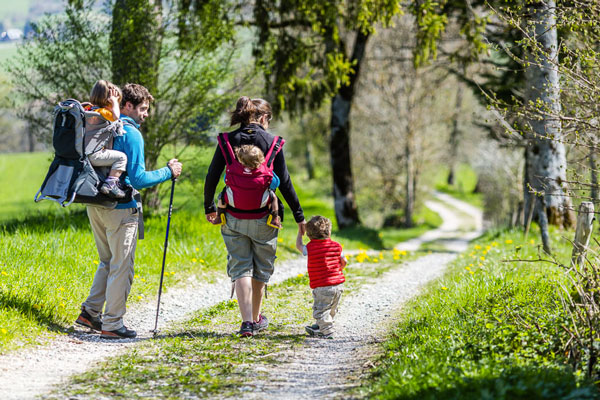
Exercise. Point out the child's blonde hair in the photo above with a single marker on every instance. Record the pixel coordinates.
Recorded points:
(318, 227)
(101, 92)
(250, 156)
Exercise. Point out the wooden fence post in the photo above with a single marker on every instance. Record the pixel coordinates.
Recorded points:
(583, 232)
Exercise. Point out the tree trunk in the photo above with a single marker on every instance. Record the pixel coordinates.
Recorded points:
(346, 211)
(308, 153)
(409, 205)
(135, 45)
(545, 158)
(454, 136)
(593, 175)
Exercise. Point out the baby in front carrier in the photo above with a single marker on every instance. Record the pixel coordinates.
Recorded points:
(252, 157)
(105, 98)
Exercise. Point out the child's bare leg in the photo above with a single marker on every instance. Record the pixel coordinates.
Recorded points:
(115, 172)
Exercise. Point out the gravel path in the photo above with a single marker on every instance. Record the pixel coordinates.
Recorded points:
(321, 369)
(33, 372)
(326, 369)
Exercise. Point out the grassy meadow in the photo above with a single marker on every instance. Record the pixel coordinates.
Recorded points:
(48, 256)
(492, 328)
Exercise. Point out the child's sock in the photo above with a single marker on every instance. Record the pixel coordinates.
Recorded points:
(111, 180)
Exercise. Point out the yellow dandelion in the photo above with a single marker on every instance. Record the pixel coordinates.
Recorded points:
(61, 289)
(194, 260)
(485, 252)
(96, 262)
(4, 273)
(470, 265)
(4, 331)
(381, 256)
(471, 272)
(482, 258)
(494, 244)
(488, 248)
(300, 275)
(477, 247)
(508, 241)
(375, 260)
(136, 276)
(532, 241)
(396, 258)
(172, 272)
(468, 268)
(480, 264)
(403, 252)
(143, 280)
(202, 261)
(197, 249)
(444, 288)
(279, 240)
(62, 304)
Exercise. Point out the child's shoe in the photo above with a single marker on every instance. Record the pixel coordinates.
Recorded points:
(112, 189)
(312, 330)
(328, 336)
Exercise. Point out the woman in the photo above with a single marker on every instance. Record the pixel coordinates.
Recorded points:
(251, 243)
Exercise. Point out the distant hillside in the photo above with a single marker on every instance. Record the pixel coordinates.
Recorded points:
(14, 14)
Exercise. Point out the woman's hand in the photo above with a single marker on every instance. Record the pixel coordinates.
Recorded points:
(211, 217)
(302, 228)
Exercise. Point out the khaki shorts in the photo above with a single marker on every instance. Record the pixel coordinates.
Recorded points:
(251, 247)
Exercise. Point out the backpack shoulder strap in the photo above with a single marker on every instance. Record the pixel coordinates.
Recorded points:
(278, 143)
(226, 148)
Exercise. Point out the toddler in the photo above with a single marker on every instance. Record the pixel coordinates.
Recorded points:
(325, 264)
(105, 98)
(252, 157)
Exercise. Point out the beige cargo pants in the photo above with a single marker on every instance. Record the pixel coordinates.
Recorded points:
(115, 233)
(325, 305)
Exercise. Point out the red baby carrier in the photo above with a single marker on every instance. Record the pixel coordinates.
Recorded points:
(247, 191)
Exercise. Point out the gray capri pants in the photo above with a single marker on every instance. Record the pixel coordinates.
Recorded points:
(251, 247)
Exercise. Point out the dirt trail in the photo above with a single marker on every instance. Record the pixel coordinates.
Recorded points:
(328, 368)
(31, 373)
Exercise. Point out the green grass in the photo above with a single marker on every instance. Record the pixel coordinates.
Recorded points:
(488, 330)
(464, 184)
(48, 256)
(202, 358)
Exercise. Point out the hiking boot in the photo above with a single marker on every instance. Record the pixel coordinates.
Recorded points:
(85, 319)
(113, 190)
(312, 330)
(247, 329)
(121, 333)
(261, 324)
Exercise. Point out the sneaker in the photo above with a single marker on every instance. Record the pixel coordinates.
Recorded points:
(85, 319)
(321, 336)
(121, 333)
(112, 191)
(312, 330)
(247, 329)
(261, 324)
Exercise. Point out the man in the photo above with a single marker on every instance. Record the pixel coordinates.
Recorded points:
(115, 230)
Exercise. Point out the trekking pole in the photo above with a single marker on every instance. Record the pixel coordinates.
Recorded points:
(162, 272)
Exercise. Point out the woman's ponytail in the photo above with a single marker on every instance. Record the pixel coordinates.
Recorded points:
(249, 110)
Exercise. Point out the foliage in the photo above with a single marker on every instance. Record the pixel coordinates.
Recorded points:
(302, 49)
(491, 328)
(189, 79)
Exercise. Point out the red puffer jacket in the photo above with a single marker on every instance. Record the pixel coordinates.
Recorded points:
(324, 263)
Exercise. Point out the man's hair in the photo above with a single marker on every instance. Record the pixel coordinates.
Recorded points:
(318, 227)
(135, 94)
(250, 156)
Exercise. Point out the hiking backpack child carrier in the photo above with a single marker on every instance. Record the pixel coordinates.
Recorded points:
(71, 177)
(247, 192)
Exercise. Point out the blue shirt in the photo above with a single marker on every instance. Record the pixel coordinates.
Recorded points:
(132, 144)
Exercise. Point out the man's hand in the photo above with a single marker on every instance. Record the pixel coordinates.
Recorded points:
(175, 167)
(302, 228)
(211, 217)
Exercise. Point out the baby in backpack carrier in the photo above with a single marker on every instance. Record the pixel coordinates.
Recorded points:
(105, 98)
(252, 157)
